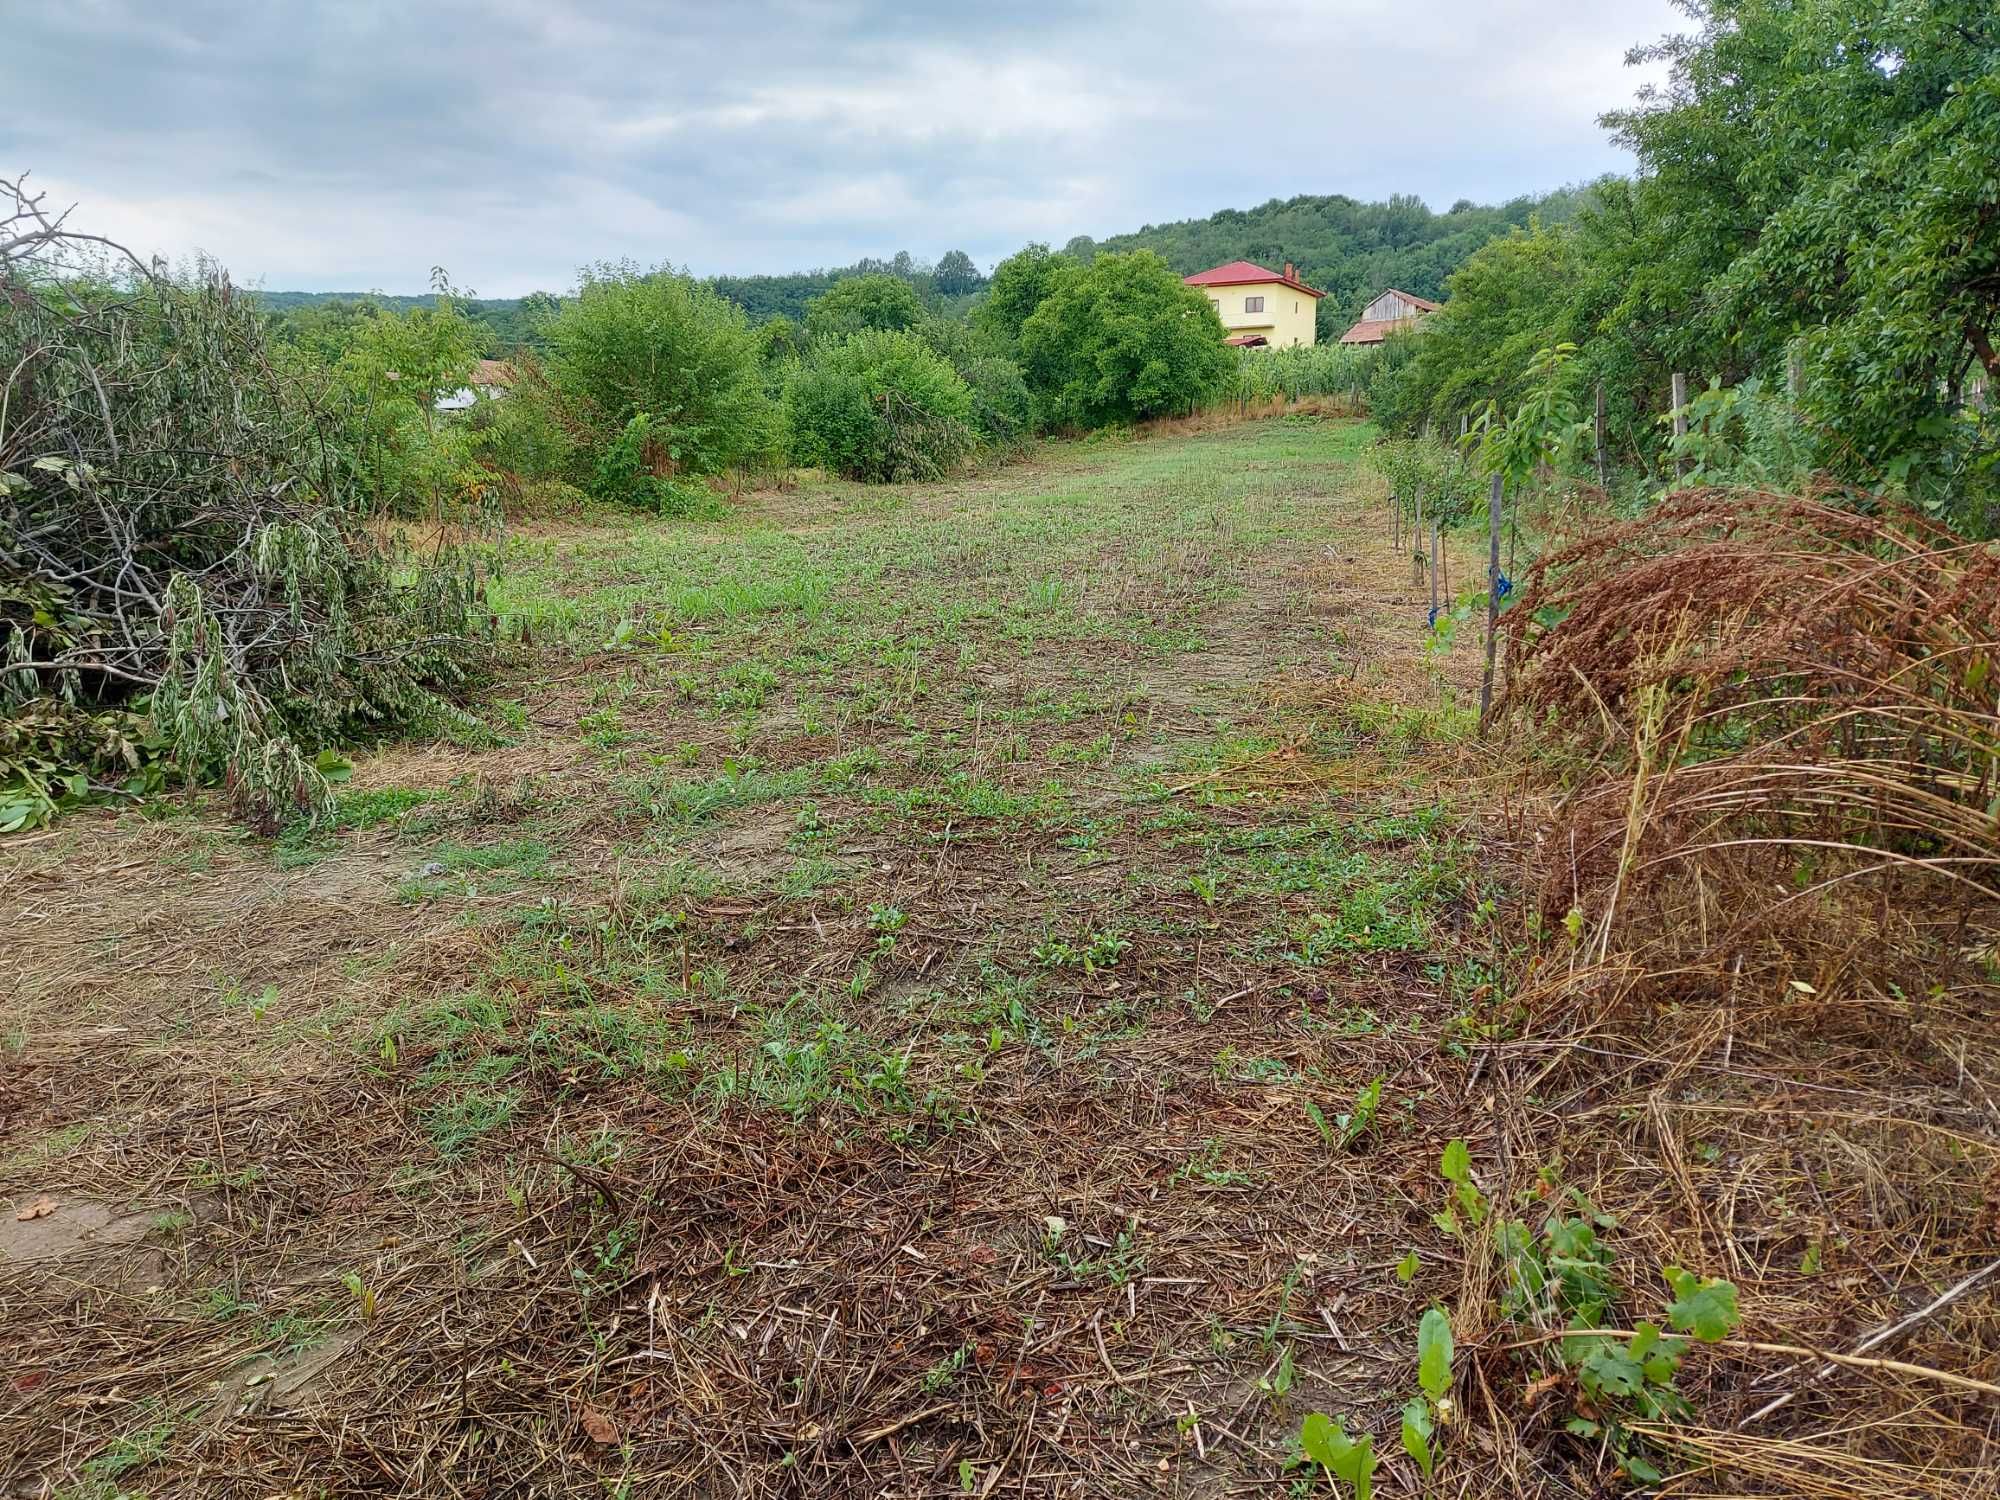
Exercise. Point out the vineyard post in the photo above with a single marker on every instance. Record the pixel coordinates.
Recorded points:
(1434, 570)
(1680, 421)
(1492, 599)
(1603, 458)
(1417, 538)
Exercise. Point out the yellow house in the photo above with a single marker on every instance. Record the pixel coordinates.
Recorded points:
(1260, 307)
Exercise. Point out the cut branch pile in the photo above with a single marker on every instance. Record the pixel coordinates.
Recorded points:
(184, 580)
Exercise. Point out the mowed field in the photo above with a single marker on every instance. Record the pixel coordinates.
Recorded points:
(879, 999)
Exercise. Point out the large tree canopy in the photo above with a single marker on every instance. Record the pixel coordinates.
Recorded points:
(861, 303)
(1121, 339)
(1019, 284)
(1815, 225)
(1828, 174)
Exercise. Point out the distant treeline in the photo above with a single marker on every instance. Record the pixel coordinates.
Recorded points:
(507, 323)
(1348, 248)
(502, 323)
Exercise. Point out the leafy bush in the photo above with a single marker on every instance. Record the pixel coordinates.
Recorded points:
(658, 345)
(387, 372)
(780, 344)
(862, 303)
(518, 439)
(1020, 284)
(1002, 408)
(191, 580)
(1119, 340)
(628, 472)
(879, 406)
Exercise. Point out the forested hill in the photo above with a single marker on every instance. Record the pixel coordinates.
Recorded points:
(1350, 250)
(504, 319)
(947, 286)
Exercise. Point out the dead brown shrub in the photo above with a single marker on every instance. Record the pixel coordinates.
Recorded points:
(1764, 771)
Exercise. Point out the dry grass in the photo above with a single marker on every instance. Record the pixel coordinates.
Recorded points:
(769, 1209)
(1770, 1031)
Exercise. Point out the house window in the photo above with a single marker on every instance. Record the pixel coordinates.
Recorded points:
(1253, 304)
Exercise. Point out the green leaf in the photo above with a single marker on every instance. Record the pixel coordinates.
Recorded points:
(1434, 1349)
(1406, 1268)
(1417, 1430)
(1643, 1340)
(1318, 1117)
(1702, 1307)
(1610, 1372)
(1638, 1469)
(1316, 1437)
(1327, 1444)
(1357, 1466)
(1456, 1165)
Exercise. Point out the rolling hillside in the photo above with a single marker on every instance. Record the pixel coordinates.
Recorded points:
(1349, 248)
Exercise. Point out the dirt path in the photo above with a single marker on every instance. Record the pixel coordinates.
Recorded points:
(881, 1026)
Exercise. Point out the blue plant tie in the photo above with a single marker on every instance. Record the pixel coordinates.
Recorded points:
(1502, 586)
(1432, 622)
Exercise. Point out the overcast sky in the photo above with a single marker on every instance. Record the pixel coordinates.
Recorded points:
(352, 145)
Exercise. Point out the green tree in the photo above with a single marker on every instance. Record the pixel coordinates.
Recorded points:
(1507, 301)
(780, 345)
(1122, 339)
(400, 451)
(879, 405)
(656, 345)
(323, 330)
(1019, 285)
(1002, 409)
(862, 303)
(955, 275)
(1817, 184)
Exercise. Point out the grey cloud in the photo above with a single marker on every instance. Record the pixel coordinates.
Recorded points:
(354, 145)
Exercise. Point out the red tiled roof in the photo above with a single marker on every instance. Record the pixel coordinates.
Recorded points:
(1373, 330)
(493, 372)
(1247, 340)
(1248, 273)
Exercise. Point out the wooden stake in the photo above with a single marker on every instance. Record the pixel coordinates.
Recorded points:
(1417, 537)
(1680, 418)
(1492, 599)
(1395, 524)
(1434, 571)
(1603, 457)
